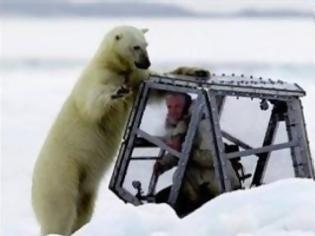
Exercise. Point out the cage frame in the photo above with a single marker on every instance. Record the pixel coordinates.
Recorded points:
(287, 107)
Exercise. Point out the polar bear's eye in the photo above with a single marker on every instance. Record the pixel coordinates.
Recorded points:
(136, 48)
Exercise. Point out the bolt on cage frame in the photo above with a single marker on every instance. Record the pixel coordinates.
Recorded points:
(287, 107)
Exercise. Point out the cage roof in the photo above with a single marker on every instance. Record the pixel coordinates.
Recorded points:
(236, 84)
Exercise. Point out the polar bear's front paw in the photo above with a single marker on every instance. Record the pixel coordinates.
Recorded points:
(121, 92)
(191, 71)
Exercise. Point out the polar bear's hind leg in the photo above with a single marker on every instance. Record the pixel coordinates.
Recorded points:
(85, 210)
(60, 222)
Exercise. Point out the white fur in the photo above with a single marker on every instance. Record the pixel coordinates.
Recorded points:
(86, 134)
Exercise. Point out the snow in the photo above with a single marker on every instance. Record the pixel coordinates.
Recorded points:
(41, 61)
(239, 40)
(285, 207)
(258, 211)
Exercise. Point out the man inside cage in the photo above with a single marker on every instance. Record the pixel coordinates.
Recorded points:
(199, 184)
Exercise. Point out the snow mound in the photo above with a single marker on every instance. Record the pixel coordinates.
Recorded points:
(286, 207)
(283, 208)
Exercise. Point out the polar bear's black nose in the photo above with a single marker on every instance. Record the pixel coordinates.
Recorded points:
(143, 64)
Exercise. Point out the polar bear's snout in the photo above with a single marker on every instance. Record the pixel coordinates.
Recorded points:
(144, 63)
(142, 60)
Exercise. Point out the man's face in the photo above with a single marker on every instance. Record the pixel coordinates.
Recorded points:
(175, 108)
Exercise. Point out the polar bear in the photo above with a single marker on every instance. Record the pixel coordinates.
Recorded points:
(87, 132)
(85, 136)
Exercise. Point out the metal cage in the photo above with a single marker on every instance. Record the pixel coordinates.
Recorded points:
(286, 107)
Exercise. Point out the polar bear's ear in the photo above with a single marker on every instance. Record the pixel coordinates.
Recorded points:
(144, 30)
(118, 37)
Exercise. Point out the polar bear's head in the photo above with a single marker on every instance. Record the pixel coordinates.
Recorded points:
(126, 46)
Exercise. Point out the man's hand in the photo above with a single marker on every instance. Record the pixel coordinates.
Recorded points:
(175, 143)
